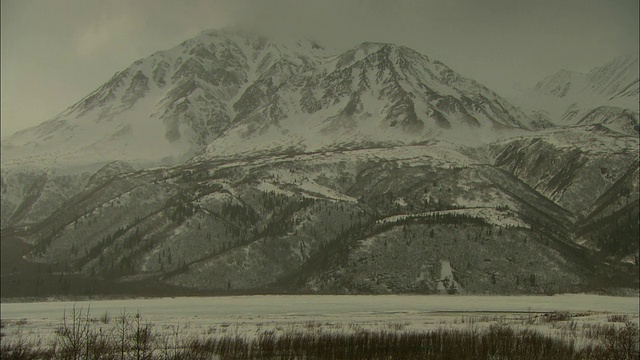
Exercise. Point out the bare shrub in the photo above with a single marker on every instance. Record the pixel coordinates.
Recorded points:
(142, 337)
(122, 331)
(170, 345)
(20, 348)
(130, 337)
(624, 341)
(105, 318)
(72, 334)
(555, 317)
(597, 331)
(618, 318)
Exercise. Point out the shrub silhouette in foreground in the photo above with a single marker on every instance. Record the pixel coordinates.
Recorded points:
(132, 338)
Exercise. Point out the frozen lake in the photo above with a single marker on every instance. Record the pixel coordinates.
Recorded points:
(320, 307)
(324, 305)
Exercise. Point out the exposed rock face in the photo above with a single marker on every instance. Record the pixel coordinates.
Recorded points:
(573, 167)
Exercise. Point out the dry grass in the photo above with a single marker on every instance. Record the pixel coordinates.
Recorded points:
(130, 337)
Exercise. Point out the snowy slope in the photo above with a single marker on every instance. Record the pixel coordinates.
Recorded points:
(607, 95)
(371, 94)
(241, 92)
(379, 220)
(162, 108)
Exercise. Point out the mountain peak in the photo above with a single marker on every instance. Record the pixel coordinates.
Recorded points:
(243, 91)
(560, 83)
(615, 76)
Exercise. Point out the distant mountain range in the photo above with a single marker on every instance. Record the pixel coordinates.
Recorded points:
(607, 95)
(234, 163)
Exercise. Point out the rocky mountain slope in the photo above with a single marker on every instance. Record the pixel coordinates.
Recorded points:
(231, 163)
(422, 218)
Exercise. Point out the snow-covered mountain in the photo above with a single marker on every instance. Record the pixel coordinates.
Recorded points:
(558, 206)
(237, 92)
(608, 94)
(234, 163)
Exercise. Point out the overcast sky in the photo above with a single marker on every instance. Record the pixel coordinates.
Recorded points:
(54, 52)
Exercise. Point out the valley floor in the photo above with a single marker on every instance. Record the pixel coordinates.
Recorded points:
(579, 320)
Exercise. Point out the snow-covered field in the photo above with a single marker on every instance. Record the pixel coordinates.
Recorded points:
(252, 315)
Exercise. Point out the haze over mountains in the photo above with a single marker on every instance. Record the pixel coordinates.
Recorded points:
(234, 163)
(607, 94)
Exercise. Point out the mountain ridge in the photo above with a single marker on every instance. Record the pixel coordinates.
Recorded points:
(185, 98)
(232, 164)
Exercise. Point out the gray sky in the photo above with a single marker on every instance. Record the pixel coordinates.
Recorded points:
(54, 52)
